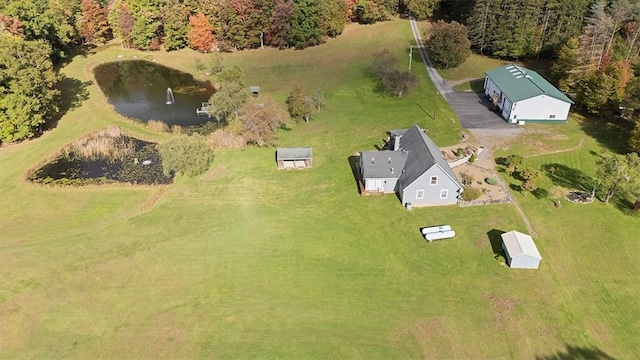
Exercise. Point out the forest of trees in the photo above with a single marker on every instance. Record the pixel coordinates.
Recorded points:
(201, 24)
(594, 44)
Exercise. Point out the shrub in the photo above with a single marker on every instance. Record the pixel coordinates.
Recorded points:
(185, 154)
(458, 152)
(223, 139)
(491, 181)
(157, 126)
(471, 193)
(467, 179)
(472, 159)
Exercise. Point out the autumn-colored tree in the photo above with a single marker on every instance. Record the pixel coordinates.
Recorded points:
(201, 35)
(281, 23)
(261, 122)
(12, 26)
(94, 25)
(333, 18)
(122, 21)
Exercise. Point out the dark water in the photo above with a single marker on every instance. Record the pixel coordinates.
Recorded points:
(138, 89)
(144, 166)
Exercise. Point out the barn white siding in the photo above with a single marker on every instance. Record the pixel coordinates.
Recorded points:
(490, 88)
(541, 107)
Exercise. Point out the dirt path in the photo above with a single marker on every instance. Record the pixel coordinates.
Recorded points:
(558, 151)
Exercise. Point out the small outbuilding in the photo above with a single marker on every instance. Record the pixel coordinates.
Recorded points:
(520, 250)
(255, 90)
(294, 158)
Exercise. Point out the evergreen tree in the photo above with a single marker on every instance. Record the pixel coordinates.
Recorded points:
(482, 23)
(175, 20)
(565, 65)
(305, 24)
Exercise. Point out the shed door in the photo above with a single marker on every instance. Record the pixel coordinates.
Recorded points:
(375, 185)
(506, 109)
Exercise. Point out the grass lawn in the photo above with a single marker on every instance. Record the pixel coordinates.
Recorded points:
(249, 262)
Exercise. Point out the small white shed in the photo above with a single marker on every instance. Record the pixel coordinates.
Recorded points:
(520, 250)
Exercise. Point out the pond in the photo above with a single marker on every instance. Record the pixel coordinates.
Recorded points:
(145, 91)
(108, 156)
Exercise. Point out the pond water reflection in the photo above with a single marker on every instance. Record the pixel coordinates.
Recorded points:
(139, 89)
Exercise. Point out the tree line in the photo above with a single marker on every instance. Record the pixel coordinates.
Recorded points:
(201, 24)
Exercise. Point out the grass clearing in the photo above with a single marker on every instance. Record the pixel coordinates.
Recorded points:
(250, 262)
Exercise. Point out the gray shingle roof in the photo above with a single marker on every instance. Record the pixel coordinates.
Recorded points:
(423, 154)
(301, 153)
(383, 164)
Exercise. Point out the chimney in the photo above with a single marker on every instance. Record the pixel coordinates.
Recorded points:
(396, 143)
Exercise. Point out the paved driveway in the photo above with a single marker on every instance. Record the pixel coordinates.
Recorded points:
(474, 111)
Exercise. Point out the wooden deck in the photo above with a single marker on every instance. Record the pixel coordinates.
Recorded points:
(364, 192)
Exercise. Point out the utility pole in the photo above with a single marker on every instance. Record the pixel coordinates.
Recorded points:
(435, 105)
(410, 57)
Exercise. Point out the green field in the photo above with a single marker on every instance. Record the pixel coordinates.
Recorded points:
(249, 262)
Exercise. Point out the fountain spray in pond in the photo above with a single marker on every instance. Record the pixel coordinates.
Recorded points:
(170, 99)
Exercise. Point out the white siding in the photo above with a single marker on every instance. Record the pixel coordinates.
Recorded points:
(387, 185)
(541, 107)
(491, 88)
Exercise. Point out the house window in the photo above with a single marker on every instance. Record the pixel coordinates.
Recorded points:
(420, 194)
(434, 180)
(552, 116)
(444, 193)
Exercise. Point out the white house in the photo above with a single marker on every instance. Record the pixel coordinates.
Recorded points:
(522, 96)
(520, 250)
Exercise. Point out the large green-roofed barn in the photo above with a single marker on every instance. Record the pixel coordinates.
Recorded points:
(522, 95)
